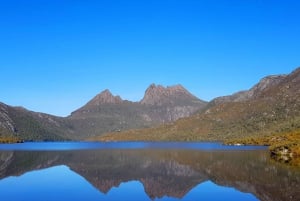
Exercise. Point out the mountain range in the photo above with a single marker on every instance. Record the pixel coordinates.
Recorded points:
(167, 113)
(104, 113)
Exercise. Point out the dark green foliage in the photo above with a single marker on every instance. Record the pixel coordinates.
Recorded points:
(31, 126)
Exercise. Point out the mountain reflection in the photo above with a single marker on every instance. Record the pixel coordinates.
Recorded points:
(46, 185)
(172, 173)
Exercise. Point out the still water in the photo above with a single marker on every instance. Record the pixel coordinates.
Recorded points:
(143, 171)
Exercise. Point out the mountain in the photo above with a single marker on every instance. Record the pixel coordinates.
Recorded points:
(108, 113)
(104, 113)
(271, 106)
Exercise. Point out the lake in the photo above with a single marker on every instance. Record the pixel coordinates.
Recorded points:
(143, 171)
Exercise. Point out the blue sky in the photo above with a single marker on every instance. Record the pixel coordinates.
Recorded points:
(56, 55)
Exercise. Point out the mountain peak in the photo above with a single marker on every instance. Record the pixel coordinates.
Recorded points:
(105, 97)
(159, 95)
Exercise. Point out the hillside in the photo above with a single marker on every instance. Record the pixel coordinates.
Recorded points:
(27, 125)
(271, 106)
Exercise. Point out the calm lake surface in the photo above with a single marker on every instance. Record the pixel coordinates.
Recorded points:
(143, 171)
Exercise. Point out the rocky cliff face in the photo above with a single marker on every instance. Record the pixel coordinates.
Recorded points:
(159, 95)
(167, 104)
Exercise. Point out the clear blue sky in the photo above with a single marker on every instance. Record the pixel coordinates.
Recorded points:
(56, 55)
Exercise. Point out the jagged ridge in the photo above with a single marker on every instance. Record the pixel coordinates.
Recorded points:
(159, 95)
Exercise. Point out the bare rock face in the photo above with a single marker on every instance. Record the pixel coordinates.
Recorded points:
(170, 103)
(105, 97)
(159, 95)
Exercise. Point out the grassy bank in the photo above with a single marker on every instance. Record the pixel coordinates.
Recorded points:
(284, 147)
(8, 140)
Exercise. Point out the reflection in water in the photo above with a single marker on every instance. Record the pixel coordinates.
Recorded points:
(156, 174)
(60, 183)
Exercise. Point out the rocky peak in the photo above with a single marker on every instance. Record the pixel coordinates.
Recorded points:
(105, 97)
(159, 95)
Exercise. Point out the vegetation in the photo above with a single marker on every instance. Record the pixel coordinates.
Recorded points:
(96, 119)
(219, 123)
(26, 125)
(267, 114)
(284, 147)
(260, 123)
(272, 106)
(7, 137)
(10, 140)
